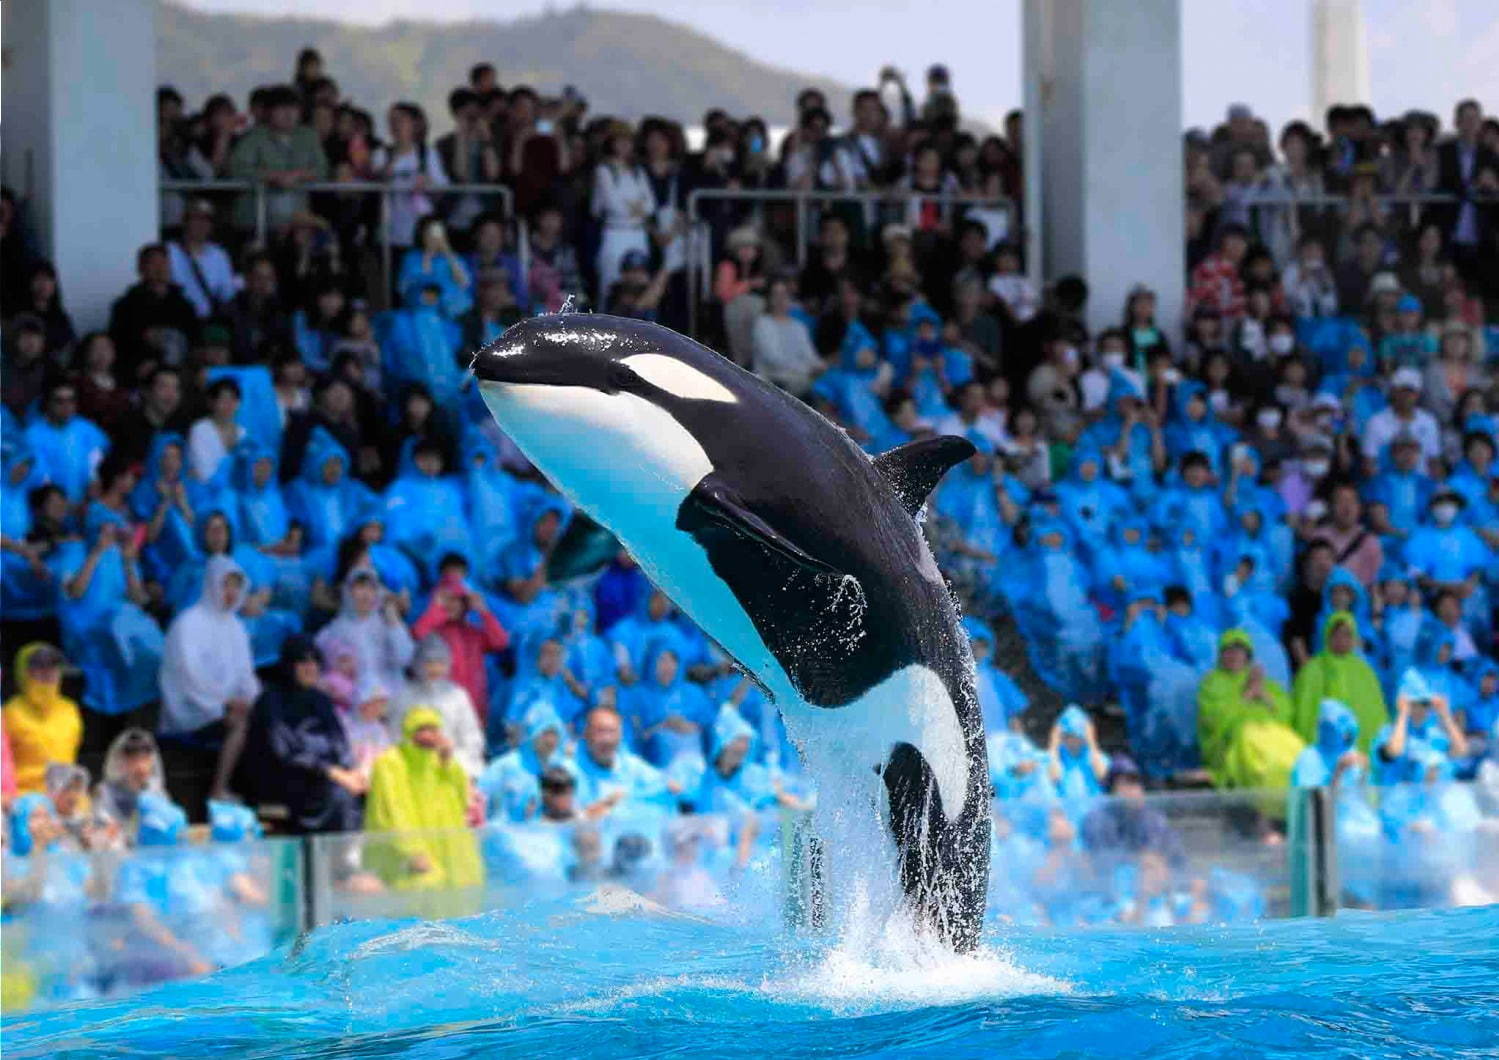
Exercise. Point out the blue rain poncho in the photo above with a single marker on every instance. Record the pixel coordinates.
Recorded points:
(451, 276)
(490, 500)
(536, 687)
(750, 786)
(1193, 639)
(641, 784)
(1405, 493)
(1158, 692)
(421, 346)
(51, 926)
(1357, 829)
(1447, 554)
(1062, 629)
(538, 618)
(67, 453)
(1091, 504)
(851, 389)
(1181, 506)
(425, 516)
(1128, 565)
(1078, 780)
(1434, 665)
(1482, 710)
(589, 656)
(1351, 598)
(1261, 613)
(24, 595)
(1190, 564)
(1000, 698)
(636, 639)
(108, 637)
(263, 518)
(396, 570)
(652, 704)
(511, 784)
(323, 498)
(1194, 427)
(1247, 537)
(174, 543)
(1136, 469)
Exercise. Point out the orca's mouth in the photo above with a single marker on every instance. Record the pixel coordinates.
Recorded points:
(499, 363)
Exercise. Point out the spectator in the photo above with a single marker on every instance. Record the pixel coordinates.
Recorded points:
(45, 302)
(1077, 765)
(622, 202)
(431, 688)
(1216, 282)
(311, 766)
(369, 621)
(28, 369)
(281, 153)
(610, 777)
(1354, 547)
(495, 309)
(158, 410)
(1424, 718)
(418, 796)
(1338, 671)
(1124, 827)
(554, 275)
(153, 322)
(218, 434)
(42, 726)
(200, 267)
(208, 681)
(493, 256)
(783, 351)
(739, 287)
(1244, 720)
(468, 154)
(1310, 288)
(512, 783)
(432, 261)
(68, 447)
(258, 319)
(1403, 417)
(1469, 170)
(459, 615)
(101, 398)
(1357, 275)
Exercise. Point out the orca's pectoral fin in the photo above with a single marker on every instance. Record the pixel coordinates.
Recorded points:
(585, 548)
(914, 469)
(712, 501)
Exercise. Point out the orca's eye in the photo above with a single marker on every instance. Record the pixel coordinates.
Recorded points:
(621, 378)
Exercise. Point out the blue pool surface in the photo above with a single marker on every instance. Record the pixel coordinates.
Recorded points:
(598, 976)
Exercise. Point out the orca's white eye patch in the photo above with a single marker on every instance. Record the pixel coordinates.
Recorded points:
(677, 377)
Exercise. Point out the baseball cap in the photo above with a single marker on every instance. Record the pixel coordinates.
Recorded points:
(1406, 379)
(1384, 283)
(1408, 303)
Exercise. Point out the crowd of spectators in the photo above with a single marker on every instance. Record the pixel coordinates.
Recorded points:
(266, 520)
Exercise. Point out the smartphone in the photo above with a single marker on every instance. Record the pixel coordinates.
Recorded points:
(544, 126)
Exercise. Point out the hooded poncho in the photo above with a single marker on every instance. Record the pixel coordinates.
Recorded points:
(43, 724)
(1243, 744)
(422, 802)
(1347, 678)
(207, 661)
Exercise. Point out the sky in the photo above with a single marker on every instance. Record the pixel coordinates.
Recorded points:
(1422, 53)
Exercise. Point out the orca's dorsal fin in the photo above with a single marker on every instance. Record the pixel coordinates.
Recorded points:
(914, 469)
(713, 501)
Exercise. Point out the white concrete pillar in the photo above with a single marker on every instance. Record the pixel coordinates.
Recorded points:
(79, 138)
(1104, 122)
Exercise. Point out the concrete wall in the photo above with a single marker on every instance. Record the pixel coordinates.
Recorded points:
(79, 136)
(1107, 77)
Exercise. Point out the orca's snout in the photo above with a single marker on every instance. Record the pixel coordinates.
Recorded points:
(544, 351)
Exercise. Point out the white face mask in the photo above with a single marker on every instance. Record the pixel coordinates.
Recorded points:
(1284, 342)
(1316, 468)
(1443, 514)
(1113, 359)
(1268, 418)
(1069, 355)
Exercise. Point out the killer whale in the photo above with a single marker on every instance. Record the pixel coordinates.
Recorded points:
(798, 553)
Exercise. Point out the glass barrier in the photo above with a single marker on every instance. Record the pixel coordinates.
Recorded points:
(684, 863)
(86, 925)
(1153, 860)
(1432, 845)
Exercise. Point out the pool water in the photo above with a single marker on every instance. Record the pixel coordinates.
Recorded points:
(609, 974)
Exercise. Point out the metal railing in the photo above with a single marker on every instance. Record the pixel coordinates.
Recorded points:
(700, 247)
(260, 230)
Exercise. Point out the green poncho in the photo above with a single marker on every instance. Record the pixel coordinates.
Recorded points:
(1244, 743)
(421, 803)
(1347, 678)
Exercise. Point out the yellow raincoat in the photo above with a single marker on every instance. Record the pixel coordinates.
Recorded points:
(420, 802)
(1244, 744)
(43, 725)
